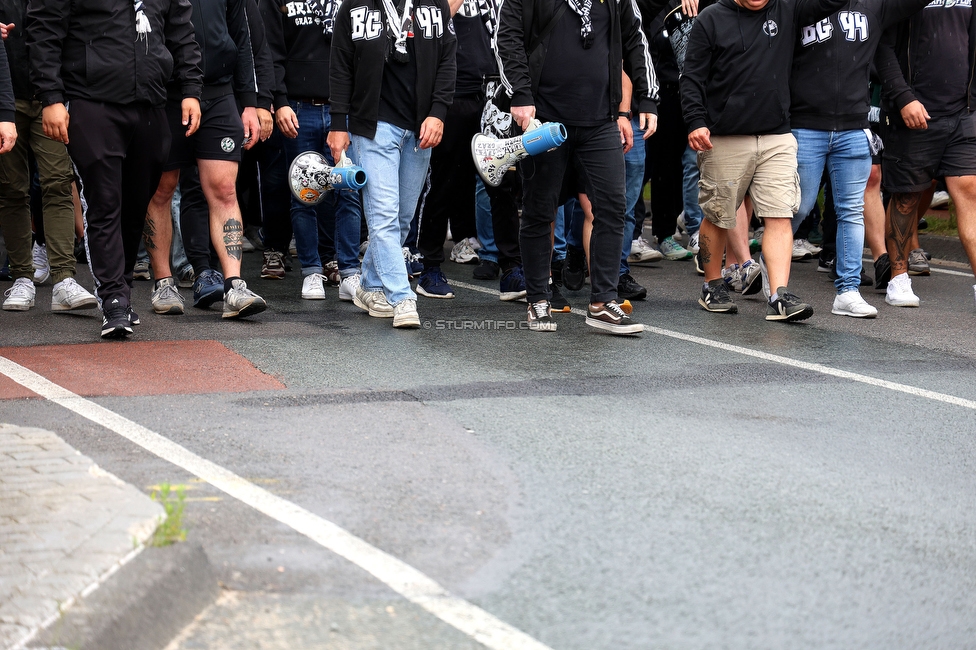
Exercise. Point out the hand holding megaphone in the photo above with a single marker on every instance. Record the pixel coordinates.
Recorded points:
(494, 157)
(310, 176)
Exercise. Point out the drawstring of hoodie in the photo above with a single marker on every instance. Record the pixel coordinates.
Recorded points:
(765, 27)
(142, 24)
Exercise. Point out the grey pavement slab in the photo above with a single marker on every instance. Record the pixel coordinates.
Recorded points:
(64, 523)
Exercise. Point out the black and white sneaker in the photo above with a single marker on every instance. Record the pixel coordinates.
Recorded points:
(115, 320)
(629, 289)
(540, 317)
(787, 307)
(557, 302)
(715, 297)
(612, 318)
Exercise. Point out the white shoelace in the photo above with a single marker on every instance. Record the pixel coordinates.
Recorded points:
(20, 289)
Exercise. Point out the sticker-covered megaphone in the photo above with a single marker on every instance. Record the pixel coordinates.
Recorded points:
(494, 157)
(310, 176)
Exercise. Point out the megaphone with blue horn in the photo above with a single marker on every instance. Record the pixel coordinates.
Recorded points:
(311, 176)
(494, 157)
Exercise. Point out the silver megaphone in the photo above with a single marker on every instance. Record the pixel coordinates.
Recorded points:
(494, 157)
(310, 176)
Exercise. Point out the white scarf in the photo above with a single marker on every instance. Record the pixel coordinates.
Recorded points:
(398, 26)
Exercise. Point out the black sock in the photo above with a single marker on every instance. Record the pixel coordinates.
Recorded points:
(229, 283)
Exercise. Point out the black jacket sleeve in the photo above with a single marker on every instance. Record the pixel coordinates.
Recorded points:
(637, 57)
(47, 25)
(895, 11)
(263, 67)
(245, 79)
(7, 105)
(341, 66)
(698, 60)
(182, 44)
(276, 45)
(443, 91)
(893, 83)
(513, 64)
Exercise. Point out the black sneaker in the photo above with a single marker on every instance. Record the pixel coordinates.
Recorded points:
(540, 317)
(487, 270)
(882, 272)
(787, 307)
(115, 320)
(557, 303)
(574, 269)
(715, 297)
(825, 264)
(556, 271)
(628, 289)
(611, 318)
(132, 316)
(699, 269)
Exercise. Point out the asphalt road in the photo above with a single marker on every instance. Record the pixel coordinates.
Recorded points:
(594, 492)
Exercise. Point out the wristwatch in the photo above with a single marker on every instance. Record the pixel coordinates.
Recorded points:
(628, 114)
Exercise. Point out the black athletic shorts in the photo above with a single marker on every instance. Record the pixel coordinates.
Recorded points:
(913, 158)
(219, 137)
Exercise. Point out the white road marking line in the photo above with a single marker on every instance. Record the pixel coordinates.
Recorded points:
(786, 361)
(402, 578)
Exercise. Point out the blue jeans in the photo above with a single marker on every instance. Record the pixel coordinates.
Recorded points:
(693, 212)
(634, 161)
(343, 206)
(847, 158)
(396, 167)
(482, 219)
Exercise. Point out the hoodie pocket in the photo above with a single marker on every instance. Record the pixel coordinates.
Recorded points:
(99, 67)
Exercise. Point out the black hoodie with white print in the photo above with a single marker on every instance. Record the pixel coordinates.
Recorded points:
(736, 77)
(832, 64)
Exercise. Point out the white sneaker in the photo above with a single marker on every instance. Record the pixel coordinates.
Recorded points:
(42, 270)
(373, 302)
(405, 314)
(799, 251)
(900, 292)
(850, 303)
(679, 226)
(68, 295)
(313, 287)
(693, 243)
(810, 246)
(348, 286)
(464, 252)
(642, 251)
(939, 199)
(20, 297)
(292, 248)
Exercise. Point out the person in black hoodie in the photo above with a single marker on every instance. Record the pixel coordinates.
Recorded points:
(392, 78)
(112, 59)
(927, 66)
(830, 105)
(735, 96)
(209, 211)
(561, 60)
(301, 44)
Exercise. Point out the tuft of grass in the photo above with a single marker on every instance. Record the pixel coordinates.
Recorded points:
(943, 227)
(173, 500)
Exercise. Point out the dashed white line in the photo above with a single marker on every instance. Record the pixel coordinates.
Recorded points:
(402, 578)
(786, 361)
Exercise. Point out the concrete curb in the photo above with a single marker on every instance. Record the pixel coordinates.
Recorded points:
(142, 606)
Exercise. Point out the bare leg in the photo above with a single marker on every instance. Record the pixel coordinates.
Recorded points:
(712, 241)
(219, 181)
(737, 250)
(587, 224)
(777, 249)
(874, 215)
(158, 233)
(901, 227)
(962, 189)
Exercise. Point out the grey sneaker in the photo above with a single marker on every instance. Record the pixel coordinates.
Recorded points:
(186, 276)
(373, 302)
(20, 297)
(141, 270)
(405, 314)
(241, 301)
(917, 263)
(68, 295)
(540, 317)
(166, 299)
